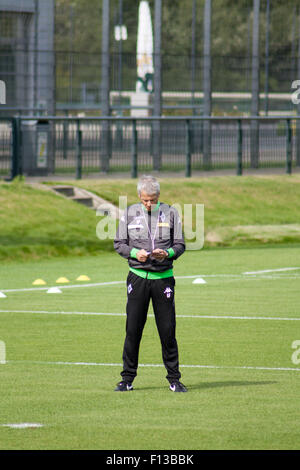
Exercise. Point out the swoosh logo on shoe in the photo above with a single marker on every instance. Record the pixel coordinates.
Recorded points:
(173, 388)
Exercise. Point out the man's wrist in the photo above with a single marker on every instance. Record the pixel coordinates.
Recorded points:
(133, 253)
(170, 252)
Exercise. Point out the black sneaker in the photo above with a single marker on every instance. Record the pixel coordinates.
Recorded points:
(123, 386)
(177, 386)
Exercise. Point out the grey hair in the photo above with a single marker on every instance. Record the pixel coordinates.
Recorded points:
(149, 185)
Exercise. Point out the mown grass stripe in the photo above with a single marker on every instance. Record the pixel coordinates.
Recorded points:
(116, 364)
(120, 314)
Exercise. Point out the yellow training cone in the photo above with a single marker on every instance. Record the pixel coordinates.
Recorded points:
(39, 282)
(83, 278)
(62, 280)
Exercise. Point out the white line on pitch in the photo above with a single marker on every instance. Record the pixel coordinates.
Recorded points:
(213, 317)
(111, 283)
(97, 284)
(63, 312)
(192, 366)
(271, 270)
(236, 317)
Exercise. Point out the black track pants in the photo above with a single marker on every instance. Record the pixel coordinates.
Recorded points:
(139, 293)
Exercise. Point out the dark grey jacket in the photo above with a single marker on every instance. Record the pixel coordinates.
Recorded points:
(161, 228)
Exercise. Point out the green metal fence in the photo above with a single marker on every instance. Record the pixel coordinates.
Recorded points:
(80, 146)
(6, 147)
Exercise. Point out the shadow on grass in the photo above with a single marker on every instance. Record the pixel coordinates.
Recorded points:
(203, 385)
(230, 383)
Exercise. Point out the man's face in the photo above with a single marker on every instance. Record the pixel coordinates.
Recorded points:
(149, 200)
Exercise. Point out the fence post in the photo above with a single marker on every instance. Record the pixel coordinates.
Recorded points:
(239, 167)
(207, 100)
(134, 162)
(254, 143)
(16, 163)
(188, 148)
(78, 151)
(65, 139)
(105, 86)
(288, 147)
(157, 85)
(298, 141)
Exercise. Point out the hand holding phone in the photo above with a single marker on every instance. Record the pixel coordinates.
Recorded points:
(159, 254)
(142, 255)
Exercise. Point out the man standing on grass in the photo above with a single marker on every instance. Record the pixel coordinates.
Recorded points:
(150, 237)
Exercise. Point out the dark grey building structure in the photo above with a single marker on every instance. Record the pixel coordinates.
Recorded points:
(27, 62)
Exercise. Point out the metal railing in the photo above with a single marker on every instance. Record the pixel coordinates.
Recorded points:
(78, 146)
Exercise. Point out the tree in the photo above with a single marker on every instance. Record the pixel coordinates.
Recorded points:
(78, 29)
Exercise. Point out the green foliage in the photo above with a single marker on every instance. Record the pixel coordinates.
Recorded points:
(79, 25)
(231, 24)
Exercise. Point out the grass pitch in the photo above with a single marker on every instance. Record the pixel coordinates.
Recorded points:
(235, 335)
